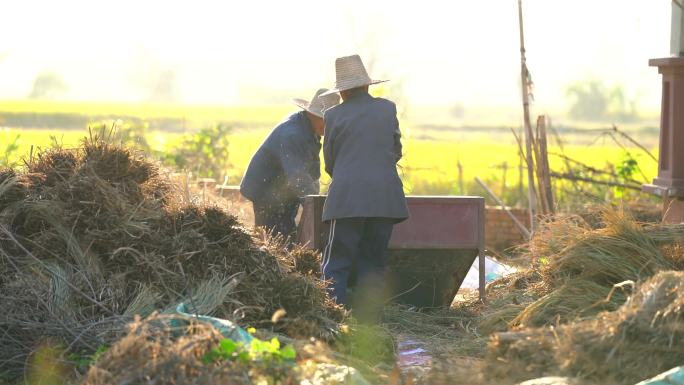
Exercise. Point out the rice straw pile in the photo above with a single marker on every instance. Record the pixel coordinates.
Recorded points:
(575, 268)
(91, 237)
(637, 341)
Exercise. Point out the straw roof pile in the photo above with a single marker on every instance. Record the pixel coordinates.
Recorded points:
(93, 236)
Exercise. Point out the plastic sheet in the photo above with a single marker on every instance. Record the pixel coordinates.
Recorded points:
(493, 270)
(671, 377)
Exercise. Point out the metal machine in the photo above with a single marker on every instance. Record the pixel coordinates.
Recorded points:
(430, 253)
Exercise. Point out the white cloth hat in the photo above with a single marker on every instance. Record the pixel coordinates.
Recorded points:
(319, 103)
(351, 73)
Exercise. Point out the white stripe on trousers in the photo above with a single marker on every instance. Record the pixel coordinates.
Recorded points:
(327, 252)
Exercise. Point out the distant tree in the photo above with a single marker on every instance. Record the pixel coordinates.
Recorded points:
(457, 110)
(593, 100)
(163, 86)
(48, 85)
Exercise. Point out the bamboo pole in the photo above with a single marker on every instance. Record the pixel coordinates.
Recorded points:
(538, 169)
(634, 142)
(525, 78)
(595, 181)
(543, 170)
(521, 190)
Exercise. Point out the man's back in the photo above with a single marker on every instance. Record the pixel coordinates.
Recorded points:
(361, 147)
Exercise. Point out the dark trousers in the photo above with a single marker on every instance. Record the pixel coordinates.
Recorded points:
(277, 217)
(360, 243)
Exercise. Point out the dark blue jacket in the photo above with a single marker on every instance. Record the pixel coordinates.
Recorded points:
(361, 149)
(286, 166)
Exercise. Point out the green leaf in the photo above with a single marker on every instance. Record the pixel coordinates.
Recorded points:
(211, 356)
(228, 346)
(256, 346)
(244, 356)
(288, 352)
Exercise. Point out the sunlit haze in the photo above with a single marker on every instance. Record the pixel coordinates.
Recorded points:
(265, 52)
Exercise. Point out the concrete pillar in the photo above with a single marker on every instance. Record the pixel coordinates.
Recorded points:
(670, 181)
(677, 40)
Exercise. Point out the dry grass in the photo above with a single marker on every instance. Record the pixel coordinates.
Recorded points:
(442, 331)
(153, 352)
(150, 352)
(639, 340)
(574, 268)
(92, 236)
(579, 289)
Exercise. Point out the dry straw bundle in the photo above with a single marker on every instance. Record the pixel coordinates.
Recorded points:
(575, 312)
(576, 267)
(92, 236)
(639, 340)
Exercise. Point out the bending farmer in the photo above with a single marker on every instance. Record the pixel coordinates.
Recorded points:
(286, 167)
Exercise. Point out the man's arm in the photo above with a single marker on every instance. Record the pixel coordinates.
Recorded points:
(328, 148)
(397, 136)
(294, 159)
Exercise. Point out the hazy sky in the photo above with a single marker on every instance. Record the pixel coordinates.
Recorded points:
(224, 52)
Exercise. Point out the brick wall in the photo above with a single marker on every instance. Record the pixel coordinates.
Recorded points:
(500, 231)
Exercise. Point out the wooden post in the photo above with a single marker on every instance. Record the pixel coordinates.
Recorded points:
(542, 163)
(481, 265)
(525, 78)
(461, 188)
(543, 149)
(521, 190)
(504, 165)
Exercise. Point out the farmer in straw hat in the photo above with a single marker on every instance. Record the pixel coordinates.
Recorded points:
(361, 149)
(286, 167)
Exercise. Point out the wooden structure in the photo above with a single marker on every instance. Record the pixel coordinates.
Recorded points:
(232, 193)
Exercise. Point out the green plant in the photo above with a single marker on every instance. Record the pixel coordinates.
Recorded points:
(625, 170)
(127, 133)
(372, 344)
(9, 151)
(83, 360)
(627, 167)
(205, 153)
(266, 352)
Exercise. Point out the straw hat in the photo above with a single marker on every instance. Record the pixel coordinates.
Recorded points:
(319, 102)
(351, 73)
